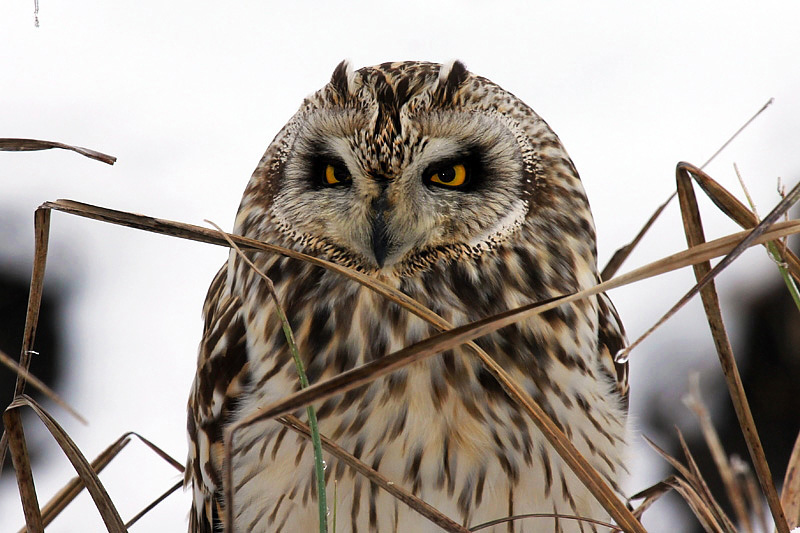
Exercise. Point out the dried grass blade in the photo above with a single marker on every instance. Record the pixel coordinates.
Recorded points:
(177, 465)
(650, 495)
(690, 477)
(42, 230)
(201, 234)
(39, 385)
(622, 254)
(74, 487)
(700, 486)
(22, 466)
(709, 250)
(690, 221)
(790, 495)
(694, 401)
(509, 519)
(319, 469)
(753, 491)
(698, 506)
(68, 492)
(704, 252)
(738, 212)
(152, 504)
(704, 273)
(685, 490)
(677, 465)
(376, 477)
(98, 493)
(41, 226)
(181, 230)
(27, 145)
(736, 134)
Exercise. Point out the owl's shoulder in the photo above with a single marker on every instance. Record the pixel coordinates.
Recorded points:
(218, 386)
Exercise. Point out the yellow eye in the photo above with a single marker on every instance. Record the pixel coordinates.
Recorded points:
(335, 175)
(451, 176)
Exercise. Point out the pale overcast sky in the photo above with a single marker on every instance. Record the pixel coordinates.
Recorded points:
(188, 95)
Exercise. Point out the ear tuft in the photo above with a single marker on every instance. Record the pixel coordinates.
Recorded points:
(451, 76)
(342, 78)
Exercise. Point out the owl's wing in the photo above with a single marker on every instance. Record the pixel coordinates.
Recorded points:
(221, 376)
(611, 339)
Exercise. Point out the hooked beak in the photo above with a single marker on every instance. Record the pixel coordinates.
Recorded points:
(380, 236)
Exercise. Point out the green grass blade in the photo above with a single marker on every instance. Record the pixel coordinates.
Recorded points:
(319, 468)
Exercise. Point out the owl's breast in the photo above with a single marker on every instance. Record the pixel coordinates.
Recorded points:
(443, 428)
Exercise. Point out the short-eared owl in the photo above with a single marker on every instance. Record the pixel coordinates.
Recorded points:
(452, 190)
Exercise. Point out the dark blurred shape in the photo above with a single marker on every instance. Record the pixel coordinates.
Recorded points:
(47, 366)
(772, 375)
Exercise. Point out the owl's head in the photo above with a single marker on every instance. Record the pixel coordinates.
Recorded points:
(393, 167)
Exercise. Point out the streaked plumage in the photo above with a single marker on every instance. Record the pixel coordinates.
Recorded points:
(367, 175)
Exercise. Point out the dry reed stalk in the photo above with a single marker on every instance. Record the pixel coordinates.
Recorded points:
(694, 402)
(33, 515)
(790, 496)
(319, 468)
(27, 145)
(73, 488)
(22, 466)
(693, 228)
(39, 385)
(690, 484)
(376, 478)
(41, 222)
(622, 254)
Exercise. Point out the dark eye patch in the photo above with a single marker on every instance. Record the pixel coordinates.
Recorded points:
(328, 170)
(462, 172)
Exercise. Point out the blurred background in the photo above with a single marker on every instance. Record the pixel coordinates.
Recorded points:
(188, 95)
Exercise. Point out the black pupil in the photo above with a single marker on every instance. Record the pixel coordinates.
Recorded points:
(447, 175)
(339, 173)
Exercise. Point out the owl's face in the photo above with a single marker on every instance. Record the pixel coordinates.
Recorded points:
(397, 165)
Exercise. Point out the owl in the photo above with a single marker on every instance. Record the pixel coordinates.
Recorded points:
(448, 188)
